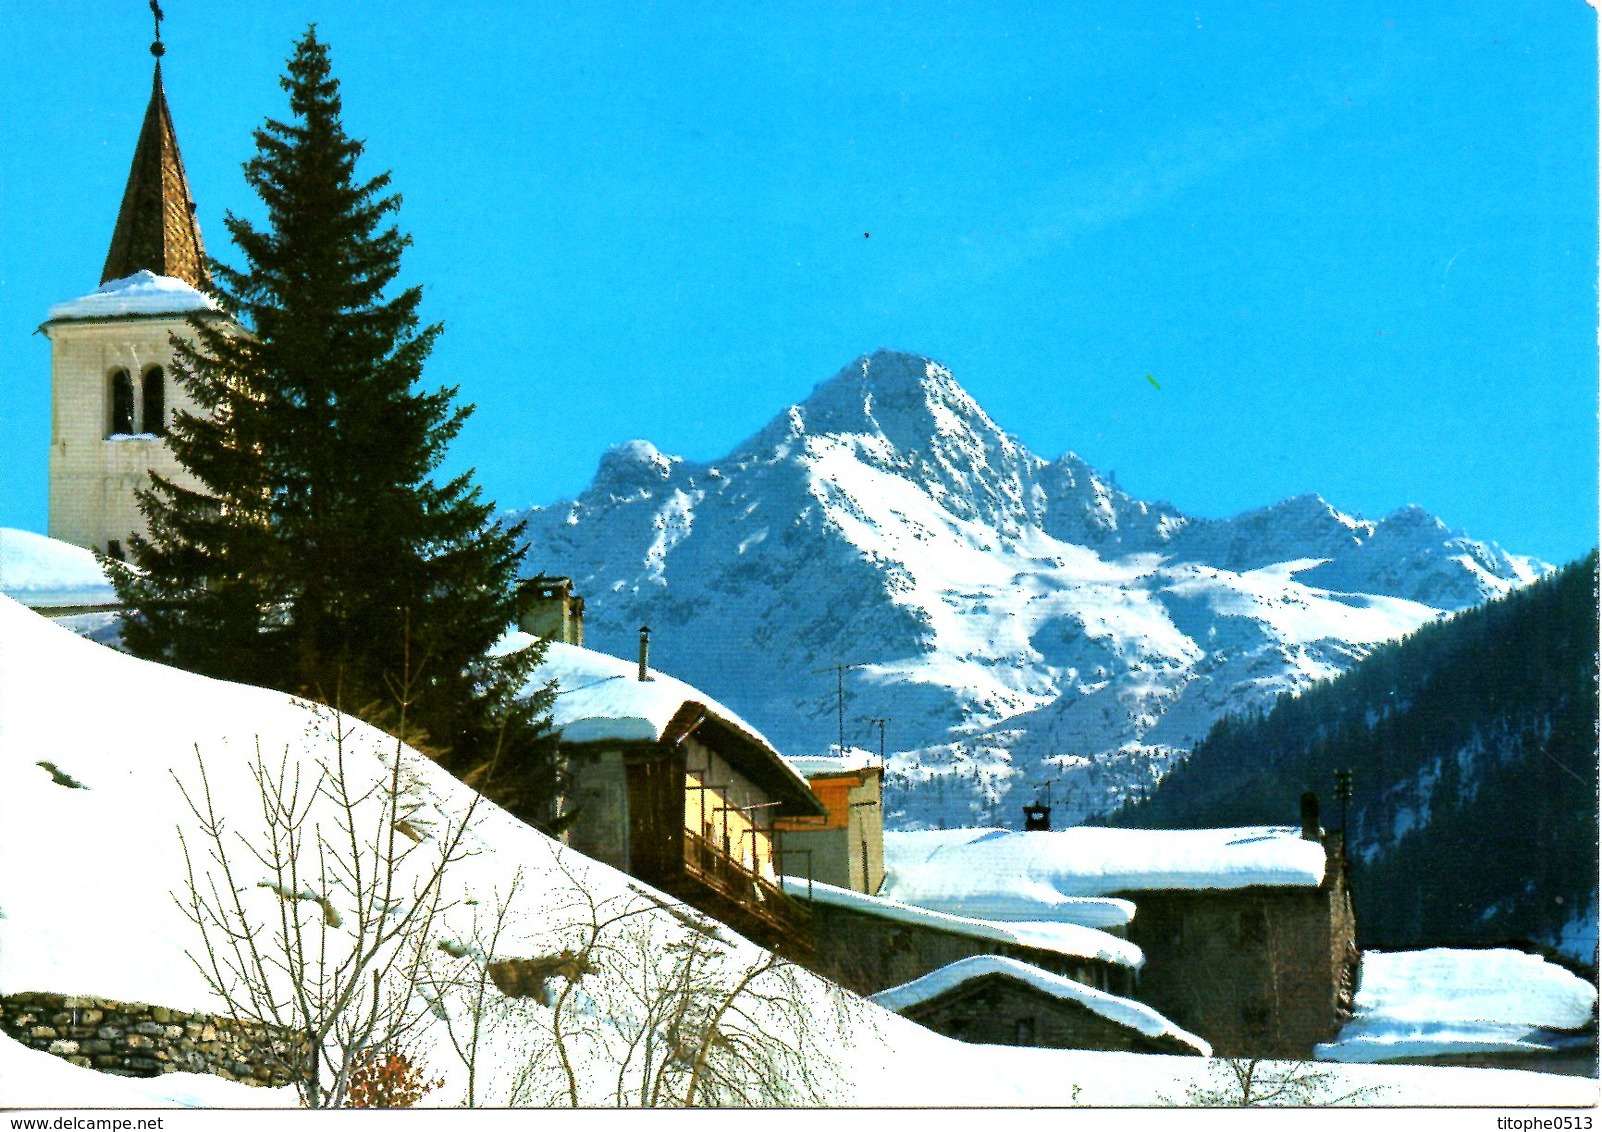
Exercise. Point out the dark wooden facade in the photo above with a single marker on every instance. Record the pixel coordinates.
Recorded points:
(636, 808)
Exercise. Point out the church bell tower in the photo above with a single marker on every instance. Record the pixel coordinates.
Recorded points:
(112, 390)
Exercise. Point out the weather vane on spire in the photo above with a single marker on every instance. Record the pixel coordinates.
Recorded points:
(156, 48)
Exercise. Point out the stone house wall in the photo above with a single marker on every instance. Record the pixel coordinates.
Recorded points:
(996, 1010)
(1256, 971)
(134, 1039)
(867, 953)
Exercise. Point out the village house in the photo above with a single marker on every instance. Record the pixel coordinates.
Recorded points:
(871, 943)
(57, 580)
(670, 786)
(1512, 1007)
(844, 847)
(1249, 934)
(995, 1000)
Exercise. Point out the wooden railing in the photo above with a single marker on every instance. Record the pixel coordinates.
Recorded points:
(757, 895)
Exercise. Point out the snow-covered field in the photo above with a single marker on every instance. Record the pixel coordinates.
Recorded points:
(91, 861)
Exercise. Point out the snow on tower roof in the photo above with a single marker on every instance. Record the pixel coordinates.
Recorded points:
(1136, 1016)
(600, 699)
(1073, 940)
(142, 293)
(1460, 1000)
(1007, 875)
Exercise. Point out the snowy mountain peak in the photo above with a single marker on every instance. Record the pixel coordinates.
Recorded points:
(905, 415)
(633, 467)
(1414, 518)
(1014, 616)
(907, 399)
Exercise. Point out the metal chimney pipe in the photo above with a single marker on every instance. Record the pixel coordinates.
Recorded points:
(645, 652)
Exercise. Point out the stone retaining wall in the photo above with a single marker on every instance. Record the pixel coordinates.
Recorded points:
(134, 1039)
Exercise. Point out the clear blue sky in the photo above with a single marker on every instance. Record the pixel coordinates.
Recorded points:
(1355, 244)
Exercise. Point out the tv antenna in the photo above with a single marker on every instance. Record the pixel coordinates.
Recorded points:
(881, 720)
(839, 692)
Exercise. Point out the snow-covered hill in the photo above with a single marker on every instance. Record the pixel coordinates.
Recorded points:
(97, 749)
(1015, 619)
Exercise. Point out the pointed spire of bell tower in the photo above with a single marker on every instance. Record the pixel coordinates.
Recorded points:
(156, 226)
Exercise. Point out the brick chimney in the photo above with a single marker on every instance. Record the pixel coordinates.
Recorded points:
(645, 652)
(1310, 826)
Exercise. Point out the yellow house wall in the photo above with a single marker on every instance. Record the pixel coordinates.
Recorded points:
(92, 478)
(750, 842)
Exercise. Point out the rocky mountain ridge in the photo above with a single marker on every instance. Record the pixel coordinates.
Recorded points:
(1017, 620)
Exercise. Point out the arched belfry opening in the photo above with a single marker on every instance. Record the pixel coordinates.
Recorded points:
(122, 404)
(153, 390)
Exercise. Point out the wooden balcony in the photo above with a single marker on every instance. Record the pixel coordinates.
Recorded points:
(752, 905)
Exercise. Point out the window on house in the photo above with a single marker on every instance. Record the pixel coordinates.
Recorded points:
(1255, 1016)
(1025, 1032)
(154, 417)
(122, 403)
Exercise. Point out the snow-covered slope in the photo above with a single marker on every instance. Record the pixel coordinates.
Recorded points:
(1017, 619)
(90, 860)
(46, 573)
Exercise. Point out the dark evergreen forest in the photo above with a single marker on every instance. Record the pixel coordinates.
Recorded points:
(1473, 750)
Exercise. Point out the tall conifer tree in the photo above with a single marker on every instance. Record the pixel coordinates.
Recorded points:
(322, 557)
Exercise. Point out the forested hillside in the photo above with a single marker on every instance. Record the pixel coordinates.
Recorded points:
(1473, 747)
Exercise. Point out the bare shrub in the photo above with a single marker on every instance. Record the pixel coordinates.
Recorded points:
(642, 1011)
(1247, 1082)
(357, 864)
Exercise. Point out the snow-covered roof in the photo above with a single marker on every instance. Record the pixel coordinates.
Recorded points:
(1039, 875)
(600, 698)
(1136, 1016)
(1073, 940)
(46, 573)
(1459, 1000)
(142, 293)
(853, 760)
